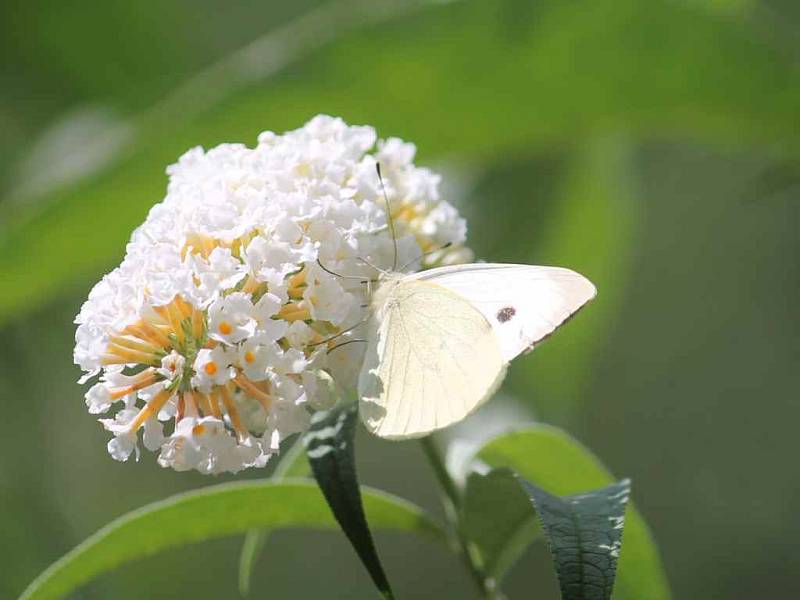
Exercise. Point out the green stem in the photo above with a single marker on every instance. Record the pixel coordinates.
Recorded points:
(440, 471)
(452, 503)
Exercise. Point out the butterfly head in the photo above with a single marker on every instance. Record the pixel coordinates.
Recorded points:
(382, 292)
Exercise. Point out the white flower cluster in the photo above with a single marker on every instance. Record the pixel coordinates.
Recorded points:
(224, 313)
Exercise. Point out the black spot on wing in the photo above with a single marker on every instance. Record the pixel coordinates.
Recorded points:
(505, 314)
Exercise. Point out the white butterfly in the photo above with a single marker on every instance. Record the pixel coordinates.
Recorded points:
(439, 341)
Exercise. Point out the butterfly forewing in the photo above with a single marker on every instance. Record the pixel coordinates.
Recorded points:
(432, 359)
(523, 304)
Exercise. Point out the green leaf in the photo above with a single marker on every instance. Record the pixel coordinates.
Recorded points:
(330, 444)
(497, 519)
(584, 532)
(209, 513)
(550, 458)
(593, 229)
(566, 70)
(293, 463)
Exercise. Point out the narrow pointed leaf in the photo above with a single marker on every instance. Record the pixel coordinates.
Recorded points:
(550, 458)
(293, 464)
(330, 450)
(208, 513)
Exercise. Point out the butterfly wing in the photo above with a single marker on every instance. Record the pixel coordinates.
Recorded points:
(432, 359)
(523, 304)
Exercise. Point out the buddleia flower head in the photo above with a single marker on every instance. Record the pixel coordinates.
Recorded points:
(212, 342)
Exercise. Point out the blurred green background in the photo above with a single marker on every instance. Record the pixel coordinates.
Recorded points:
(652, 145)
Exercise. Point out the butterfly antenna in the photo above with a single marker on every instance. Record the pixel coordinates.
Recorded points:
(372, 265)
(337, 346)
(424, 254)
(337, 335)
(335, 274)
(389, 216)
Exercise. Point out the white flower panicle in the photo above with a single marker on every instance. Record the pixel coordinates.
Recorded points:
(219, 324)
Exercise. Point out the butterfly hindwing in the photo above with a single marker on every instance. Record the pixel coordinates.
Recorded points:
(432, 359)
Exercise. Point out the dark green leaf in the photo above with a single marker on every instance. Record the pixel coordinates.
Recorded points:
(550, 458)
(293, 464)
(584, 532)
(209, 513)
(330, 450)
